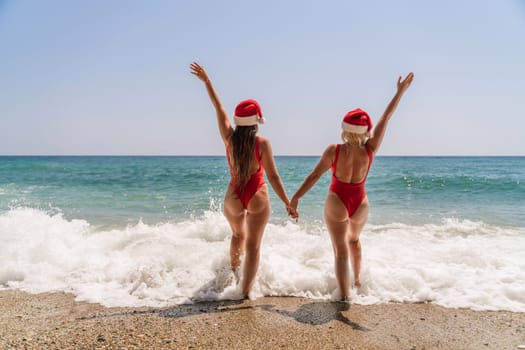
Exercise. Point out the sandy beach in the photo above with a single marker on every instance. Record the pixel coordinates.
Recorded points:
(57, 321)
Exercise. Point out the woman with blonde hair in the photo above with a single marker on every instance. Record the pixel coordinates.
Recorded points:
(346, 206)
(246, 203)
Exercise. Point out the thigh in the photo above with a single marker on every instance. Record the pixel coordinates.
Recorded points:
(358, 220)
(257, 215)
(337, 221)
(234, 211)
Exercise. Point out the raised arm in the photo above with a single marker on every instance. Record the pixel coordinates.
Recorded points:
(271, 171)
(379, 131)
(322, 166)
(225, 127)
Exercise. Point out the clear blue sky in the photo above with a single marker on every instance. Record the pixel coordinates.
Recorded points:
(111, 77)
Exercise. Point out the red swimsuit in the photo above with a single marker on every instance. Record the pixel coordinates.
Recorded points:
(254, 183)
(351, 194)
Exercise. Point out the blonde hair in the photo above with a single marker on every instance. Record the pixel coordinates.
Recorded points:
(355, 139)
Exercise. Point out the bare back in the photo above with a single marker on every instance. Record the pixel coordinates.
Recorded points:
(352, 164)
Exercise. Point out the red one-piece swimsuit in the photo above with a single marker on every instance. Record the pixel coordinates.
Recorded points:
(351, 194)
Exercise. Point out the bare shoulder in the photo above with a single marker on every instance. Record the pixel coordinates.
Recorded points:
(328, 155)
(263, 140)
(371, 144)
(264, 143)
(331, 147)
(330, 151)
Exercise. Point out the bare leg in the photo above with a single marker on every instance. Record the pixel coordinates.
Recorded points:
(236, 215)
(357, 222)
(337, 222)
(355, 258)
(256, 220)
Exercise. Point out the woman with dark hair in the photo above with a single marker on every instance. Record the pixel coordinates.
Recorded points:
(246, 203)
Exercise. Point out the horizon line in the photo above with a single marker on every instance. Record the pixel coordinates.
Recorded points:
(275, 155)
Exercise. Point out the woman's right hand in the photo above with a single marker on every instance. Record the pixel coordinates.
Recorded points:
(199, 71)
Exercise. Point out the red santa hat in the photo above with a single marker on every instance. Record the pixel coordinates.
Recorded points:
(357, 122)
(248, 112)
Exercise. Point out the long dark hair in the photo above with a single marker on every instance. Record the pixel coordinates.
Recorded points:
(242, 146)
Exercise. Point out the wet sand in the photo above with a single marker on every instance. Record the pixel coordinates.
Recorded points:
(57, 321)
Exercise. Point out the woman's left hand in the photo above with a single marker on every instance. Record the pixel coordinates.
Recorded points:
(403, 84)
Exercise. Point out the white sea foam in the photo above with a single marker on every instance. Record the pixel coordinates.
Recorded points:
(457, 263)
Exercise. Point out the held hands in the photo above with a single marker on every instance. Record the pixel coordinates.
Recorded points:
(199, 71)
(403, 84)
(292, 209)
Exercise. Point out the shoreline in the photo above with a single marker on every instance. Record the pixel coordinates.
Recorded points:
(57, 321)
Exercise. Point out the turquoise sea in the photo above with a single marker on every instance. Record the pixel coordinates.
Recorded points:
(123, 190)
(149, 230)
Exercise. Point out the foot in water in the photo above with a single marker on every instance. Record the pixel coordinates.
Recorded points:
(237, 273)
(344, 300)
(225, 277)
(357, 283)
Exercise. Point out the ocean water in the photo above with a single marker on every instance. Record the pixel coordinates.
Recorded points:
(149, 231)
